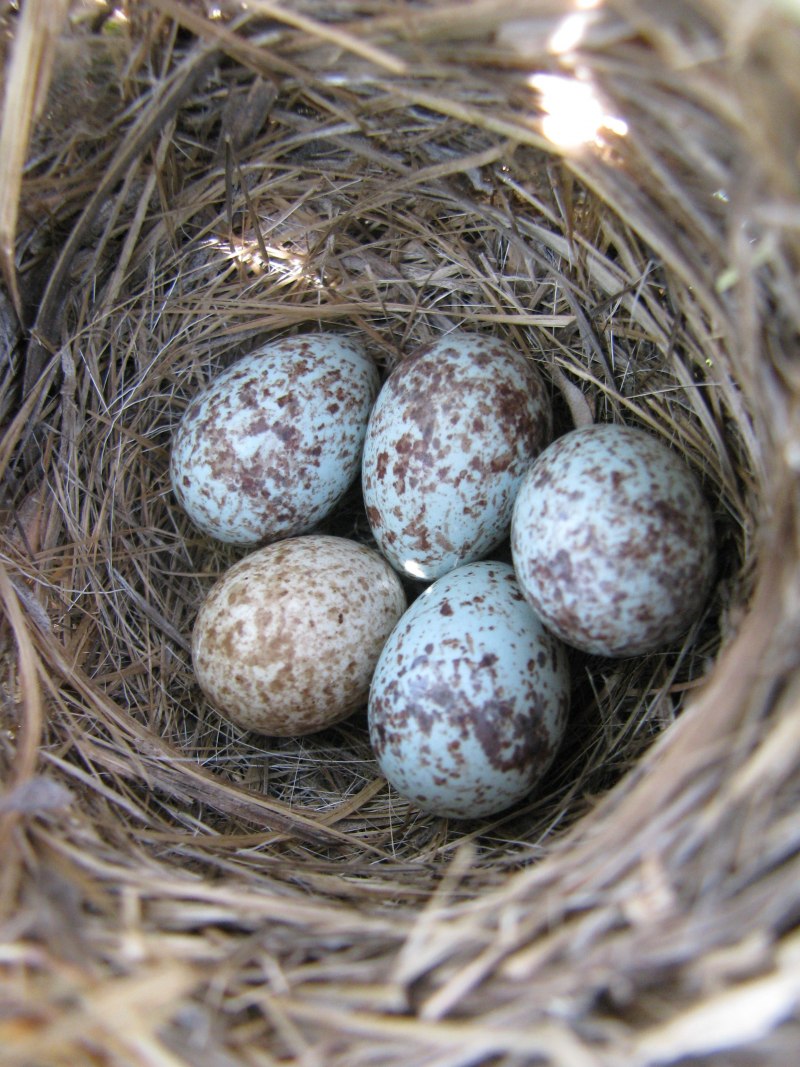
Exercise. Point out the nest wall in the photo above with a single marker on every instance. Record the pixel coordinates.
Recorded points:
(199, 179)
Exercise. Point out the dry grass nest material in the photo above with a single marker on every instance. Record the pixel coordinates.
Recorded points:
(200, 178)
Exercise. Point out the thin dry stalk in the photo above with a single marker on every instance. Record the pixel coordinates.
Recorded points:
(24, 95)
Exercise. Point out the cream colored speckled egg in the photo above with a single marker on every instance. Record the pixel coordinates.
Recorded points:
(287, 640)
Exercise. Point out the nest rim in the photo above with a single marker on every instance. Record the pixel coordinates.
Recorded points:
(348, 863)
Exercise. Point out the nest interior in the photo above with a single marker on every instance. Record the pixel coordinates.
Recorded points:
(612, 187)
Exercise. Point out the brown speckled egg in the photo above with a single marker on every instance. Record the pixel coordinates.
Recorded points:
(270, 446)
(451, 434)
(470, 696)
(613, 541)
(287, 640)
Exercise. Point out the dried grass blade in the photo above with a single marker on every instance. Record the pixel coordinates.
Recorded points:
(325, 31)
(27, 753)
(28, 750)
(25, 92)
(726, 1020)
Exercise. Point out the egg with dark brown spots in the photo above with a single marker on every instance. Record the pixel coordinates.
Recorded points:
(270, 446)
(454, 429)
(286, 641)
(470, 696)
(613, 541)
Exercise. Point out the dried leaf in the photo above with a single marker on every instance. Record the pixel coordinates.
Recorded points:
(579, 407)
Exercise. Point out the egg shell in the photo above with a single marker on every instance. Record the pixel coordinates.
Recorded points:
(452, 432)
(470, 696)
(613, 541)
(287, 640)
(269, 447)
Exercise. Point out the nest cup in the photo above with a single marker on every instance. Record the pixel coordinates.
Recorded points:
(613, 190)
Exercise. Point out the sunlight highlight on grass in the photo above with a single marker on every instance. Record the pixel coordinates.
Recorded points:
(574, 114)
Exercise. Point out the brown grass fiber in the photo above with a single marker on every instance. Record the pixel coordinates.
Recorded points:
(180, 181)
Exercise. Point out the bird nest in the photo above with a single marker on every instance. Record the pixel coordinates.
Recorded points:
(612, 188)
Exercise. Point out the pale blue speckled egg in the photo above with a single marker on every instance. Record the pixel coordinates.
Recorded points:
(270, 446)
(613, 541)
(453, 431)
(470, 696)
